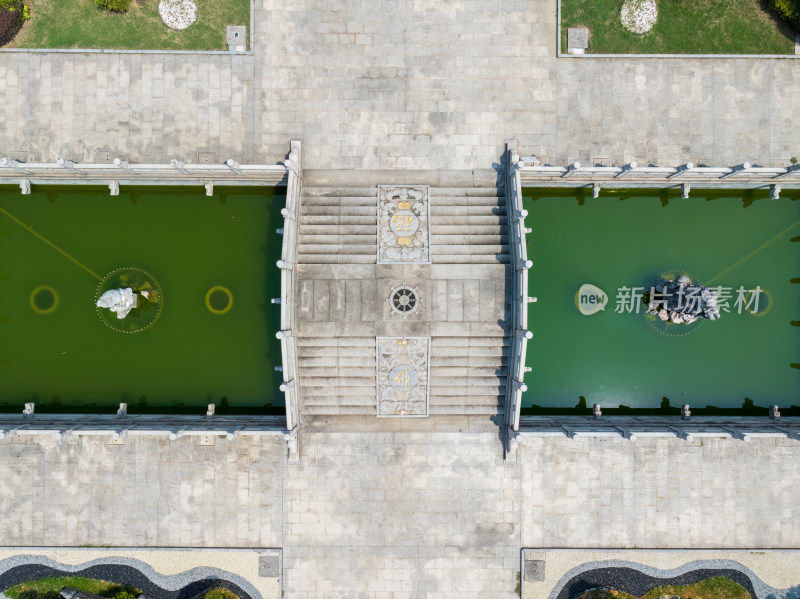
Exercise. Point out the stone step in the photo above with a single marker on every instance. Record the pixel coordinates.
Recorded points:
(336, 239)
(450, 200)
(440, 211)
(341, 342)
(465, 390)
(338, 410)
(469, 220)
(477, 352)
(340, 191)
(335, 219)
(441, 345)
(340, 228)
(331, 356)
(470, 240)
(311, 391)
(334, 382)
(341, 399)
(465, 249)
(486, 192)
(466, 410)
(365, 371)
(309, 258)
(494, 362)
(341, 201)
(341, 211)
(488, 399)
(314, 191)
(337, 248)
(469, 372)
(470, 259)
(439, 230)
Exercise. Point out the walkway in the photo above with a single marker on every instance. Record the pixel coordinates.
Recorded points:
(408, 84)
(400, 506)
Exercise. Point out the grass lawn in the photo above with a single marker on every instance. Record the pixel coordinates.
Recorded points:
(82, 24)
(88, 585)
(718, 587)
(683, 27)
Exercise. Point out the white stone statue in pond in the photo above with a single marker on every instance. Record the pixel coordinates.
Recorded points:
(120, 301)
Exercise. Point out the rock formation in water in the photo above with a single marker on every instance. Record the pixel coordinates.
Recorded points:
(120, 301)
(680, 302)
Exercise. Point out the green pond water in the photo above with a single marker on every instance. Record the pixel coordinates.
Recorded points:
(208, 333)
(731, 239)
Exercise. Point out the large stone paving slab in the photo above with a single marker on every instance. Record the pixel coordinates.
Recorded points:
(148, 492)
(659, 493)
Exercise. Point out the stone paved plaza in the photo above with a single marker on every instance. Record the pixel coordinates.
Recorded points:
(399, 84)
(389, 509)
(400, 92)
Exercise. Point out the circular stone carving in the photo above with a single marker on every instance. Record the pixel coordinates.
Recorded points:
(403, 377)
(219, 299)
(639, 16)
(404, 223)
(404, 300)
(177, 14)
(44, 299)
(147, 310)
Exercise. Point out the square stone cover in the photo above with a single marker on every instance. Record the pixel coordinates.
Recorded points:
(237, 35)
(269, 566)
(577, 38)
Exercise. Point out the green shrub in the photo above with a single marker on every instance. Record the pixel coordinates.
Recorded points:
(29, 594)
(12, 14)
(789, 10)
(120, 591)
(113, 5)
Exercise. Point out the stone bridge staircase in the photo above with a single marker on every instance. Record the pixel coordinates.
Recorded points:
(341, 300)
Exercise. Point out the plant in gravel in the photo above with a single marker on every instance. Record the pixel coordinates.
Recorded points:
(114, 5)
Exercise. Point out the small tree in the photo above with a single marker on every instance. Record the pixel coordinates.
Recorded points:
(13, 13)
(789, 10)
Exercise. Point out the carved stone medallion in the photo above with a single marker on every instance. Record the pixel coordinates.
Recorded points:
(402, 373)
(403, 216)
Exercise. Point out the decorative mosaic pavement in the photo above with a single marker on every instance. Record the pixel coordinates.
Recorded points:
(403, 215)
(402, 374)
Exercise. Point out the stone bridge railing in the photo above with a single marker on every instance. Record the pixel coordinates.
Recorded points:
(118, 427)
(742, 176)
(688, 428)
(518, 282)
(120, 173)
(291, 219)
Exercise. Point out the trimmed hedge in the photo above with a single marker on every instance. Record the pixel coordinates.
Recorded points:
(789, 10)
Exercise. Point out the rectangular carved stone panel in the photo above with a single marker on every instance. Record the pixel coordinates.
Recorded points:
(402, 375)
(403, 229)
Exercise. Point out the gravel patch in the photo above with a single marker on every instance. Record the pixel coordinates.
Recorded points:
(639, 16)
(177, 14)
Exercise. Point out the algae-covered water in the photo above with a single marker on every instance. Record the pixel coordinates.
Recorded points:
(211, 261)
(625, 239)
